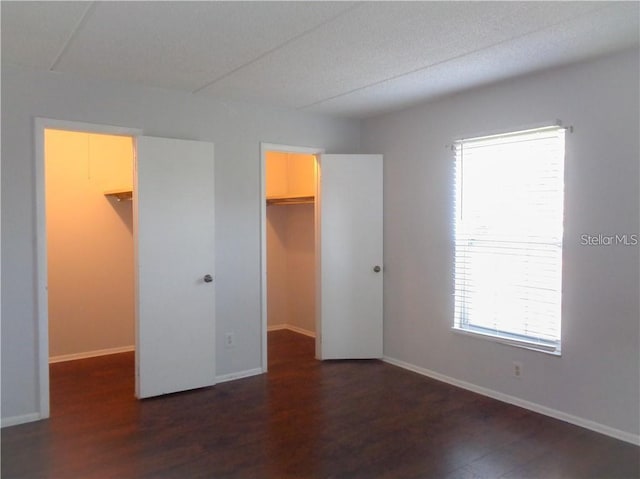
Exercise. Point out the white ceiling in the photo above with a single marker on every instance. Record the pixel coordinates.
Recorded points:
(354, 59)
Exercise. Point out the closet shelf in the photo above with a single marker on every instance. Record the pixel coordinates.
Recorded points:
(120, 194)
(289, 200)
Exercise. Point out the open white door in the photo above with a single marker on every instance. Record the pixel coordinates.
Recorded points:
(174, 199)
(350, 257)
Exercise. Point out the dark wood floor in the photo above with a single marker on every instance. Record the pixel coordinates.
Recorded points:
(304, 419)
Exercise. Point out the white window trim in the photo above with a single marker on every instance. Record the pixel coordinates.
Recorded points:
(541, 348)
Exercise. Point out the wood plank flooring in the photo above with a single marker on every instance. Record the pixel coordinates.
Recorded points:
(304, 419)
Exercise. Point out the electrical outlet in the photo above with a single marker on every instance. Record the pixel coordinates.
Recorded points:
(229, 340)
(517, 369)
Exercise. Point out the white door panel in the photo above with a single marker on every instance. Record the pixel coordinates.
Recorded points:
(350, 248)
(174, 198)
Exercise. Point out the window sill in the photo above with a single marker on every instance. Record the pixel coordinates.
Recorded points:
(509, 342)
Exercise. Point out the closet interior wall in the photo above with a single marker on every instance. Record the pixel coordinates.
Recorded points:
(89, 244)
(291, 241)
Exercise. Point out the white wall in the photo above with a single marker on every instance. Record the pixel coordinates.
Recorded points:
(597, 377)
(89, 243)
(236, 130)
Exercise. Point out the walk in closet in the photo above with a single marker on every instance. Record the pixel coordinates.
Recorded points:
(291, 262)
(89, 221)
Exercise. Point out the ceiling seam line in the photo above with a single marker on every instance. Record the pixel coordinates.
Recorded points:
(278, 47)
(72, 36)
(462, 55)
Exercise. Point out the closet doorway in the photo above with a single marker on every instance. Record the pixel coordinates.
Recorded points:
(89, 242)
(290, 218)
(347, 250)
(173, 258)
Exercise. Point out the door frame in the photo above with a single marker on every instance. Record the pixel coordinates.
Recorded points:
(42, 295)
(264, 148)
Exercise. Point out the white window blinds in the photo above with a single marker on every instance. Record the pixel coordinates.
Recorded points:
(508, 236)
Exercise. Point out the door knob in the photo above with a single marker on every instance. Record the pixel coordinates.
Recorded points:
(377, 269)
(208, 278)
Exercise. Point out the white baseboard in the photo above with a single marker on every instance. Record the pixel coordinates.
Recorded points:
(90, 354)
(239, 375)
(277, 327)
(290, 327)
(15, 420)
(554, 413)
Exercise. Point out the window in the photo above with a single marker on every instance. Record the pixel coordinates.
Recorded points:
(508, 237)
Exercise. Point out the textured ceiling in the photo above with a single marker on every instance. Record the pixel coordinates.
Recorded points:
(352, 59)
